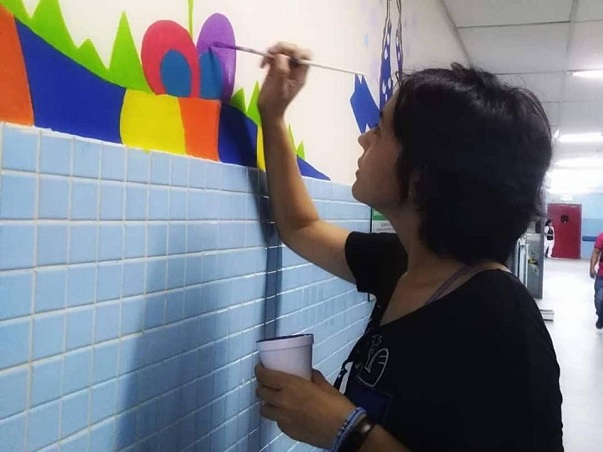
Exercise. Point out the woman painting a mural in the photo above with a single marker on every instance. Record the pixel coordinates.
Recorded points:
(456, 356)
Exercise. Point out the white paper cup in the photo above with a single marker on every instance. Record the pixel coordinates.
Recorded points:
(289, 354)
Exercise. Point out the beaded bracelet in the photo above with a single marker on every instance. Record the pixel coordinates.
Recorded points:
(347, 427)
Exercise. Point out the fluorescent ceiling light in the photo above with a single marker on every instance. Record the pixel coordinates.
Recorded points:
(596, 137)
(580, 162)
(588, 74)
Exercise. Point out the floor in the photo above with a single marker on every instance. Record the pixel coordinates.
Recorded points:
(568, 290)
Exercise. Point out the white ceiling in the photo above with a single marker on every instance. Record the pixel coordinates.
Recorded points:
(536, 44)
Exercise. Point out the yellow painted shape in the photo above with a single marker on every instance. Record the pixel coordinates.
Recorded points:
(152, 122)
(260, 146)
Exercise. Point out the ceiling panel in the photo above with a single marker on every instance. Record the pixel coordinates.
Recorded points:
(577, 117)
(468, 13)
(518, 49)
(552, 111)
(583, 89)
(548, 87)
(590, 10)
(586, 51)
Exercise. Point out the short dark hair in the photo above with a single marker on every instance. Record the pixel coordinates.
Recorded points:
(481, 149)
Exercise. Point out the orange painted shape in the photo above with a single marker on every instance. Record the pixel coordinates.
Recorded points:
(201, 119)
(15, 100)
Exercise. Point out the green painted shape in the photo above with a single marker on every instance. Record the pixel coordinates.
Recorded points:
(48, 22)
(125, 68)
(191, 6)
(238, 101)
(253, 111)
(301, 151)
(17, 9)
(88, 57)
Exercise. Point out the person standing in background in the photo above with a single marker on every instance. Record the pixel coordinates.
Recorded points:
(549, 238)
(597, 260)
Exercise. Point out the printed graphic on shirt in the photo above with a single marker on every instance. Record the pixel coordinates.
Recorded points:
(373, 368)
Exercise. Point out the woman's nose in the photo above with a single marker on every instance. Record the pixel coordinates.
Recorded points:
(363, 140)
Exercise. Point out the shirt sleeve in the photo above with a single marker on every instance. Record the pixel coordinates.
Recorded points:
(599, 242)
(374, 259)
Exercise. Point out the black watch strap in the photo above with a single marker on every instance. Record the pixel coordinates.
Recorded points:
(354, 441)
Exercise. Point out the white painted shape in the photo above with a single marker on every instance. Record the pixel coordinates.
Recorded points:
(471, 13)
(548, 87)
(30, 5)
(429, 37)
(517, 49)
(590, 10)
(583, 89)
(587, 47)
(579, 117)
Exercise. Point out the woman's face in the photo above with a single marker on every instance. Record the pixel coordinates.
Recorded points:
(376, 181)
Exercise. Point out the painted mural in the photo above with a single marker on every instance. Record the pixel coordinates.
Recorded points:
(175, 95)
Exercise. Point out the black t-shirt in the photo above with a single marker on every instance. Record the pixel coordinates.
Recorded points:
(474, 370)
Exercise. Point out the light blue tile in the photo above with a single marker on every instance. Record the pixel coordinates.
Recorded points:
(52, 244)
(212, 205)
(105, 362)
(78, 370)
(13, 392)
(129, 355)
(15, 294)
(80, 326)
(43, 425)
(136, 202)
(104, 400)
(54, 198)
(158, 203)
(157, 239)
(132, 316)
(156, 275)
(197, 176)
(148, 418)
(107, 321)
(55, 155)
(149, 382)
(113, 162)
(178, 204)
(48, 335)
(16, 246)
(135, 240)
(18, 196)
(197, 200)
(101, 437)
(86, 159)
(127, 430)
(81, 285)
(19, 149)
(51, 289)
(14, 342)
(112, 201)
(84, 200)
(160, 168)
(177, 238)
(174, 306)
(214, 173)
(154, 311)
(175, 272)
(134, 273)
(169, 405)
(180, 171)
(83, 243)
(74, 413)
(12, 432)
(139, 164)
(109, 278)
(111, 242)
(194, 270)
(77, 443)
(210, 232)
(127, 392)
(47, 381)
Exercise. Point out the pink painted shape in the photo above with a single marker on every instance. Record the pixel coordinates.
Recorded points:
(217, 28)
(160, 38)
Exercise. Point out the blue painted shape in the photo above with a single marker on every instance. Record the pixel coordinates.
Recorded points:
(67, 96)
(589, 238)
(237, 140)
(308, 170)
(176, 74)
(15, 293)
(211, 76)
(364, 107)
(13, 392)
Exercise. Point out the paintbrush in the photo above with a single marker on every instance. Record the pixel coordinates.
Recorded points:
(295, 60)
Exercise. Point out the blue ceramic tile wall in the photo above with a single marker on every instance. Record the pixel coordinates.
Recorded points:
(133, 288)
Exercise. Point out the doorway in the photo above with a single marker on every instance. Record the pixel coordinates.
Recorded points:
(567, 222)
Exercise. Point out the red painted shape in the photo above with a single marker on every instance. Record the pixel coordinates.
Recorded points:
(567, 222)
(15, 99)
(160, 38)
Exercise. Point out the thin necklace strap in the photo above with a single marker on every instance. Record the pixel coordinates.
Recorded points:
(449, 282)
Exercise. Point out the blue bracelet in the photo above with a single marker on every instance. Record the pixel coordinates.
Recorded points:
(347, 427)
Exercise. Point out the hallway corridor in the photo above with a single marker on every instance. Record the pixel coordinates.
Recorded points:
(568, 290)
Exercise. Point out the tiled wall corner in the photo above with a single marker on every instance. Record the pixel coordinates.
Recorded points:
(133, 287)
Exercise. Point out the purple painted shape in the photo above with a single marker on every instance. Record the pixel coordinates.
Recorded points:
(217, 28)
